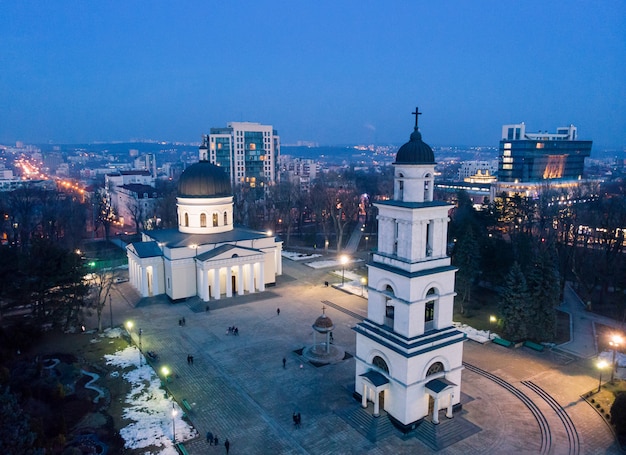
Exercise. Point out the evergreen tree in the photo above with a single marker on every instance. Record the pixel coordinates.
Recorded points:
(544, 289)
(515, 311)
(466, 257)
(618, 415)
(16, 437)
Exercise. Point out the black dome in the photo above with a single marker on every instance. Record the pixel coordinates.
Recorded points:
(415, 151)
(204, 179)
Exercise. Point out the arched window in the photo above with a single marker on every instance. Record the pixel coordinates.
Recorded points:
(215, 220)
(380, 363)
(225, 218)
(389, 308)
(427, 187)
(429, 313)
(435, 368)
(203, 220)
(186, 219)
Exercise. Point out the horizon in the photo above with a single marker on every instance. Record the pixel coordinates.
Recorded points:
(348, 73)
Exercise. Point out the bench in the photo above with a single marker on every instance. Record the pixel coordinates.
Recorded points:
(537, 347)
(186, 405)
(181, 449)
(502, 342)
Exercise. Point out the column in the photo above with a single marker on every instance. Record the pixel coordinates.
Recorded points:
(251, 278)
(240, 279)
(376, 402)
(364, 396)
(229, 281)
(436, 412)
(449, 414)
(216, 284)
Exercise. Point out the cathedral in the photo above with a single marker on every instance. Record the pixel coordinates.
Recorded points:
(206, 256)
(408, 353)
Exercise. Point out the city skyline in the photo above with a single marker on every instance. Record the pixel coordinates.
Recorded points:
(325, 73)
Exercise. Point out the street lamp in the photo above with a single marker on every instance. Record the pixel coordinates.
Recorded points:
(166, 373)
(616, 341)
(174, 412)
(602, 364)
(363, 283)
(344, 260)
(111, 310)
(140, 350)
(492, 321)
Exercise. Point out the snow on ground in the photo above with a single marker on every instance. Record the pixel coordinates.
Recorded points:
(148, 406)
(331, 263)
(298, 256)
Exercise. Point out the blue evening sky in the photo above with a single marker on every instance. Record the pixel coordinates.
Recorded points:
(333, 72)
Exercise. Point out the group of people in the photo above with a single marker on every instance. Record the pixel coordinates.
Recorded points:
(297, 419)
(233, 331)
(182, 322)
(214, 441)
(189, 359)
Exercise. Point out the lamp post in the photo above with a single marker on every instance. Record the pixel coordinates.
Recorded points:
(344, 260)
(166, 373)
(366, 242)
(140, 350)
(616, 341)
(174, 412)
(111, 310)
(602, 364)
(492, 321)
(363, 282)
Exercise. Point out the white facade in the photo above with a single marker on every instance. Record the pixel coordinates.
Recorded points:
(248, 151)
(408, 353)
(517, 132)
(471, 168)
(206, 256)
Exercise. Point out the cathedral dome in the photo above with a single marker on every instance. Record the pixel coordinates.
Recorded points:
(415, 151)
(202, 180)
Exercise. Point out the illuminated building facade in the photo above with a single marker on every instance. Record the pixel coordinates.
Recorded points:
(248, 152)
(536, 157)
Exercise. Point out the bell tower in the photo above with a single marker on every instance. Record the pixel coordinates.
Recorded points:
(408, 353)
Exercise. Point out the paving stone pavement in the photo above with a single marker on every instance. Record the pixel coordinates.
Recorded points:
(239, 390)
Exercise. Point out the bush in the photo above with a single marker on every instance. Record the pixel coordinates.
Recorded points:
(618, 414)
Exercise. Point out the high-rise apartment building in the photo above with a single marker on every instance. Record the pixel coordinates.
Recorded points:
(248, 152)
(537, 157)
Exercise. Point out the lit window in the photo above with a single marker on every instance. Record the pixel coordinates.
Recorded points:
(507, 146)
(507, 153)
(540, 145)
(215, 220)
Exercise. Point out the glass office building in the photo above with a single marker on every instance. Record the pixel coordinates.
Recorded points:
(537, 157)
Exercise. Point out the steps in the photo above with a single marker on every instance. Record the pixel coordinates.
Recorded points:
(446, 433)
(363, 420)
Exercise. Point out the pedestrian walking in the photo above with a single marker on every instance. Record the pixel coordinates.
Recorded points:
(284, 363)
(215, 440)
(299, 420)
(188, 359)
(227, 445)
(206, 308)
(209, 438)
(184, 322)
(277, 311)
(295, 420)
(191, 359)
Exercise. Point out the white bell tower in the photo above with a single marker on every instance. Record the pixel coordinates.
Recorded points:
(408, 353)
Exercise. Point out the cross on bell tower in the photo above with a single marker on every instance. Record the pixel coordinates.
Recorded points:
(416, 114)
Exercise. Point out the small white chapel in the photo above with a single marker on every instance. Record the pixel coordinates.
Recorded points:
(408, 352)
(207, 256)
